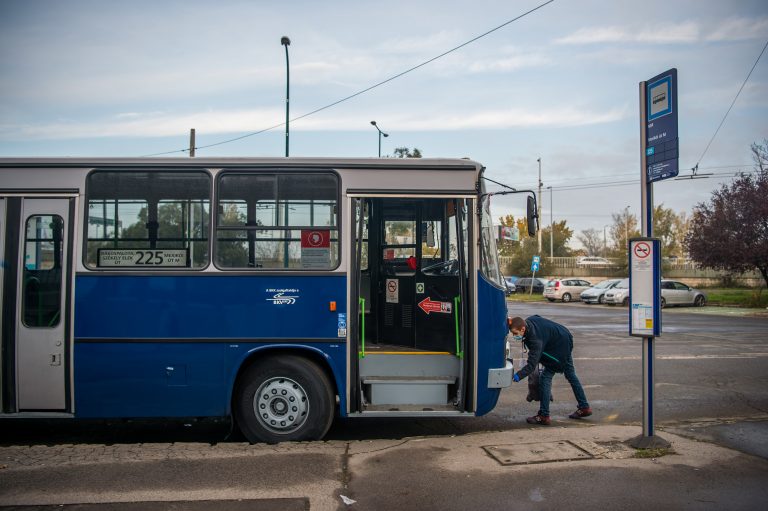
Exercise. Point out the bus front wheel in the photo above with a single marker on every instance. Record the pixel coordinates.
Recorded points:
(284, 399)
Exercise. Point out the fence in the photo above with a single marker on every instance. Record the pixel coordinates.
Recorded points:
(684, 270)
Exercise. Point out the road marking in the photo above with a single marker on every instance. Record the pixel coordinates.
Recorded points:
(679, 357)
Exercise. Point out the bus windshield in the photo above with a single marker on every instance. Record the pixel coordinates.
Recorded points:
(489, 255)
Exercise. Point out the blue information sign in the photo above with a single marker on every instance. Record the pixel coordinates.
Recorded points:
(534, 266)
(662, 148)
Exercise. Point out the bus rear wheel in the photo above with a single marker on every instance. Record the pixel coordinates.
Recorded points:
(285, 399)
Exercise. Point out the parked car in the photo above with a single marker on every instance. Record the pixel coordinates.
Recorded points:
(510, 282)
(596, 293)
(618, 294)
(524, 285)
(593, 261)
(565, 289)
(677, 293)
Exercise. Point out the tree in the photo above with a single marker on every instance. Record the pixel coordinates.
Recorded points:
(624, 228)
(592, 239)
(730, 232)
(404, 152)
(667, 226)
(561, 236)
(522, 252)
(508, 248)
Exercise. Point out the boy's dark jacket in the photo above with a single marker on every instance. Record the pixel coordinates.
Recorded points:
(548, 343)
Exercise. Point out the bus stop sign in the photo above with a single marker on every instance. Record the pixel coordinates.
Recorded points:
(662, 148)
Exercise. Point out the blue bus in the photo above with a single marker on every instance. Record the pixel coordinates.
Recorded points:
(277, 292)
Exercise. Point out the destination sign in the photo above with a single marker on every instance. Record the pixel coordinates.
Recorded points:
(142, 258)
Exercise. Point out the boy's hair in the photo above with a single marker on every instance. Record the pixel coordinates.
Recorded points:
(517, 323)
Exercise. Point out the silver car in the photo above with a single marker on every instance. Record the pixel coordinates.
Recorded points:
(677, 293)
(596, 293)
(618, 294)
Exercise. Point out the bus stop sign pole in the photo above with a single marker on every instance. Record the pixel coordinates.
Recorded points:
(659, 160)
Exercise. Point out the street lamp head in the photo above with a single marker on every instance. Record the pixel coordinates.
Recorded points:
(385, 134)
(373, 122)
(285, 41)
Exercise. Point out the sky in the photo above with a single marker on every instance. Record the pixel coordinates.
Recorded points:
(117, 79)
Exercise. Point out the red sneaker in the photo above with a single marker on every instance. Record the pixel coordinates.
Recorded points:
(538, 419)
(581, 413)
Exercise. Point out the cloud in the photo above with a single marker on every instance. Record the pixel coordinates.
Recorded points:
(160, 124)
(686, 32)
(739, 29)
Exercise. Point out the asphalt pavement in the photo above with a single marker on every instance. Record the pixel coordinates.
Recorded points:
(712, 406)
(581, 466)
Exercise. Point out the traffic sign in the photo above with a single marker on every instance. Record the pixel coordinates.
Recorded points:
(661, 141)
(536, 259)
(534, 266)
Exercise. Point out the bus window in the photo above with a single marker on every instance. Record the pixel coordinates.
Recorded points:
(143, 220)
(489, 255)
(42, 271)
(271, 221)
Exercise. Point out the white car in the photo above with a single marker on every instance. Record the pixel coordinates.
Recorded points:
(565, 289)
(596, 293)
(593, 261)
(619, 294)
(672, 293)
(677, 293)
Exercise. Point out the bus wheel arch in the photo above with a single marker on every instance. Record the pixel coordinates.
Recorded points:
(283, 396)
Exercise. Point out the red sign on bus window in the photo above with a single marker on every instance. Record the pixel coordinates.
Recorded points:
(315, 238)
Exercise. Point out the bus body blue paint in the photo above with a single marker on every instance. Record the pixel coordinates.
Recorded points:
(194, 307)
(141, 365)
(491, 332)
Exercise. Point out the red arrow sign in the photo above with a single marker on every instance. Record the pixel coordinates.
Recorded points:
(427, 305)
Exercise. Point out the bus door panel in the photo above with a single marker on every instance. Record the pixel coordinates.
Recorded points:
(397, 258)
(436, 313)
(40, 338)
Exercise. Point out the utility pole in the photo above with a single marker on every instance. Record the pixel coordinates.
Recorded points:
(192, 143)
(551, 226)
(538, 220)
(626, 227)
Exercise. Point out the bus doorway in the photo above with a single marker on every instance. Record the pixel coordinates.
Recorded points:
(411, 289)
(36, 239)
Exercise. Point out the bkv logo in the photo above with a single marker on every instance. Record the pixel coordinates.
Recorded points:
(280, 298)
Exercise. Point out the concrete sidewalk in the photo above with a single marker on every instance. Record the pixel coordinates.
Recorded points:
(506, 470)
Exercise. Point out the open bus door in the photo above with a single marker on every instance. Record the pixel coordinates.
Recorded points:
(36, 241)
(410, 279)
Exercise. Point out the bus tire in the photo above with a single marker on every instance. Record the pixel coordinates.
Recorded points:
(285, 399)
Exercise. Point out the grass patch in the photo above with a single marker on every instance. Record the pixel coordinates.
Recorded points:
(737, 297)
(653, 453)
(525, 297)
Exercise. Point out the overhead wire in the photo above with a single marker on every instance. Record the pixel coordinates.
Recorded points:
(367, 89)
(730, 107)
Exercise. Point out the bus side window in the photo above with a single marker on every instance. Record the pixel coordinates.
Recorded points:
(277, 221)
(147, 220)
(43, 252)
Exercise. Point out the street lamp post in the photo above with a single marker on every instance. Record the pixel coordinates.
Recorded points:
(286, 42)
(381, 133)
(605, 243)
(551, 225)
(626, 227)
(538, 219)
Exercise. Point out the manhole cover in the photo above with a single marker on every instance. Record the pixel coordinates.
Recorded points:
(540, 452)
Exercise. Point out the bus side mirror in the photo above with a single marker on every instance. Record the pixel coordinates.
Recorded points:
(531, 216)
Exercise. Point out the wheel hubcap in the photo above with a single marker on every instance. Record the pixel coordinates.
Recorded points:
(281, 405)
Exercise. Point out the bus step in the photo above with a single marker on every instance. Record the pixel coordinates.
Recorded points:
(405, 390)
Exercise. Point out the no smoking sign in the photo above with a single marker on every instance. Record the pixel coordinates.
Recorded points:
(642, 250)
